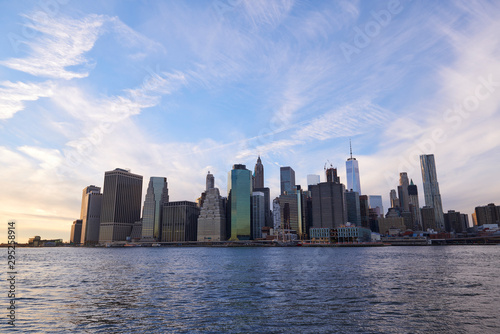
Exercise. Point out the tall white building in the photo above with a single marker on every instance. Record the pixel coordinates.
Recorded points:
(352, 174)
(431, 188)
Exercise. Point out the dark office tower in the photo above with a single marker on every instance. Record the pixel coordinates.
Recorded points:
(404, 201)
(453, 222)
(394, 199)
(179, 221)
(352, 173)
(90, 215)
(293, 206)
(414, 205)
(121, 204)
(364, 209)
(328, 202)
(353, 207)
(258, 174)
(156, 196)
(431, 188)
(258, 214)
(212, 218)
(287, 178)
(428, 218)
(488, 214)
(76, 232)
(239, 189)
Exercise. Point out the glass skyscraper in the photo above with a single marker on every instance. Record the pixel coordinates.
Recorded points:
(156, 196)
(287, 178)
(352, 172)
(431, 188)
(239, 189)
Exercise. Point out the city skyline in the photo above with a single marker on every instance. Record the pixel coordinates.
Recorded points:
(175, 90)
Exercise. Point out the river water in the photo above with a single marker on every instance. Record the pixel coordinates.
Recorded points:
(440, 289)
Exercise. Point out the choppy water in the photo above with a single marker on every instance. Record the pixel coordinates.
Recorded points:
(450, 289)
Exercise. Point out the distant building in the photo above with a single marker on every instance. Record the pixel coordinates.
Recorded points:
(156, 196)
(352, 174)
(353, 208)
(428, 218)
(239, 191)
(431, 188)
(293, 211)
(179, 221)
(364, 209)
(391, 223)
(212, 218)
(454, 222)
(76, 232)
(258, 179)
(404, 200)
(414, 205)
(121, 204)
(91, 215)
(312, 180)
(375, 202)
(394, 199)
(488, 214)
(328, 202)
(277, 216)
(258, 214)
(287, 179)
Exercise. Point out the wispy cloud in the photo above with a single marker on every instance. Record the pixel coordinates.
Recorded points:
(13, 95)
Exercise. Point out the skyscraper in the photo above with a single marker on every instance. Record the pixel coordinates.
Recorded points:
(353, 208)
(258, 214)
(212, 218)
(287, 178)
(76, 232)
(431, 188)
(404, 201)
(328, 202)
(293, 211)
(156, 196)
(375, 202)
(239, 189)
(394, 199)
(179, 221)
(414, 205)
(121, 204)
(258, 181)
(352, 172)
(90, 214)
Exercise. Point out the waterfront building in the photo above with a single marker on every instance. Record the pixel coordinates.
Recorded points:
(212, 218)
(90, 215)
(258, 214)
(353, 207)
(328, 202)
(454, 222)
(293, 211)
(287, 179)
(239, 191)
(428, 218)
(375, 202)
(488, 214)
(431, 188)
(121, 204)
(179, 221)
(391, 223)
(352, 173)
(76, 232)
(156, 196)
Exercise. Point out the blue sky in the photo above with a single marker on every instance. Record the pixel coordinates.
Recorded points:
(180, 88)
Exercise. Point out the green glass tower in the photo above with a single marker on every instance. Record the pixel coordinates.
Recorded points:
(239, 189)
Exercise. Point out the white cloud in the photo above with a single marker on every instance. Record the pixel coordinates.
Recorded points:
(12, 95)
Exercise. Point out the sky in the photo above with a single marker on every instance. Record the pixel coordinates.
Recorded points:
(180, 88)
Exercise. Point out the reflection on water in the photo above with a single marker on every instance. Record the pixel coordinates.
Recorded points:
(452, 289)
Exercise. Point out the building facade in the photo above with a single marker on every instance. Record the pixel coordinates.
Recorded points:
(121, 204)
(328, 202)
(258, 214)
(156, 196)
(91, 215)
(76, 232)
(287, 179)
(239, 189)
(353, 208)
(431, 188)
(179, 221)
(212, 218)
